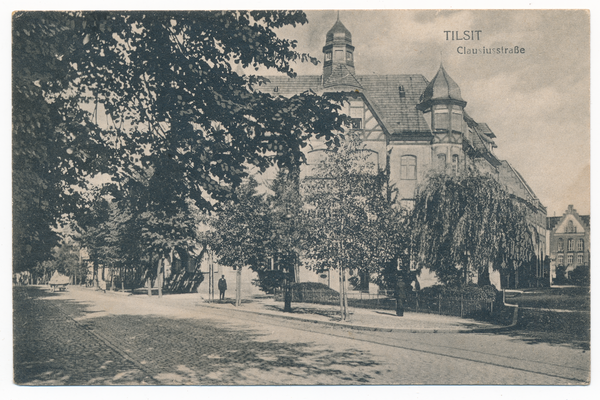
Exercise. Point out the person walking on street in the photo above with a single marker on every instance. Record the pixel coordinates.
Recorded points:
(222, 287)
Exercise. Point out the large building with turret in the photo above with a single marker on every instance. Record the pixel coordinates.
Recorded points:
(412, 125)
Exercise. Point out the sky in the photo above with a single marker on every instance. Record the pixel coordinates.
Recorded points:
(537, 103)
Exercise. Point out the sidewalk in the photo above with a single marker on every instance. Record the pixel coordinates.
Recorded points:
(359, 319)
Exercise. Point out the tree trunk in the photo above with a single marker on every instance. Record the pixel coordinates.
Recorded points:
(148, 279)
(95, 274)
(287, 295)
(122, 273)
(238, 287)
(160, 267)
(112, 276)
(345, 281)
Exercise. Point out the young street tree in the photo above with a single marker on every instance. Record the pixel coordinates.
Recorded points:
(351, 222)
(263, 232)
(463, 224)
(165, 108)
(287, 230)
(240, 232)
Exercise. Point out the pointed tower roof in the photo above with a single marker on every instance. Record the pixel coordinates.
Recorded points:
(441, 89)
(338, 32)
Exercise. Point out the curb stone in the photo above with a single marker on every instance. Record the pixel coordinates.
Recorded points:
(377, 329)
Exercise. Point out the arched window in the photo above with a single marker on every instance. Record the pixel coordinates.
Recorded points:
(570, 245)
(408, 167)
(570, 227)
(580, 245)
(441, 162)
(560, 245)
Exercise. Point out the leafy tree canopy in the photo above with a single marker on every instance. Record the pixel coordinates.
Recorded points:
(153, 100)
(462, 223)
(351, 218)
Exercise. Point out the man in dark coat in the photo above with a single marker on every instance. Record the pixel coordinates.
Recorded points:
(222, 287)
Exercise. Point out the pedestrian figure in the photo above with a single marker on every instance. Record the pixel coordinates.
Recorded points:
(222, 287)
(400, 295)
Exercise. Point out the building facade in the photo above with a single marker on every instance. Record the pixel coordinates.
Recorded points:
(569, 244)
(412, 125)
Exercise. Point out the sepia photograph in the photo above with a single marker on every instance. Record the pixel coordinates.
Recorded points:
(339, 197)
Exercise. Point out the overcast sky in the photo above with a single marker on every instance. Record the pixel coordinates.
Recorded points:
(537, 103)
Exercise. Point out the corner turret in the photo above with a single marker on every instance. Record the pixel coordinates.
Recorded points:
(338, 54)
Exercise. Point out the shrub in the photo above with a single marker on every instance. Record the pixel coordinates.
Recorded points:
(468, 292)
(311, 292)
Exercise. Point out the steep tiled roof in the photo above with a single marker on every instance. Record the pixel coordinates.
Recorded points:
(485, 129)
(338, 31)
(480, 140)
(442, 87)
(285, 86)
(341, 76)
(398, 112)
(516, 184)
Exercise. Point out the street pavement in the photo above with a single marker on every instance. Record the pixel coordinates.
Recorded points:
(87, 337)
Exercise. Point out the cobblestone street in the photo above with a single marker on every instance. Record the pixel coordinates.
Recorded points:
(86, 337)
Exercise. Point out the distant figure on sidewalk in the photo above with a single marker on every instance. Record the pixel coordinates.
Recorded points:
(222, 287)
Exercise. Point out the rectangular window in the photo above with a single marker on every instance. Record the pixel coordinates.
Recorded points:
(457, 120)
(455, 164)
(408, 167)
(441, 119)
(560, 259)
(569, 259)
(356, 114)
(580, 259)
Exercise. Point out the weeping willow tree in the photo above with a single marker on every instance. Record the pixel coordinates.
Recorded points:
(462, 225)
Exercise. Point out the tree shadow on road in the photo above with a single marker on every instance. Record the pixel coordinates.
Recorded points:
(52, 348)
(579, 341)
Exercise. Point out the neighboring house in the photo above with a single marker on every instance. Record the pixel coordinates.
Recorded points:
(569, 243)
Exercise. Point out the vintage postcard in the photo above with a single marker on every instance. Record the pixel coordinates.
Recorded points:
(320, 197)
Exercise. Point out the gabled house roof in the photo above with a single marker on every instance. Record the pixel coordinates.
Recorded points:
(393, 97)
(553, 222)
